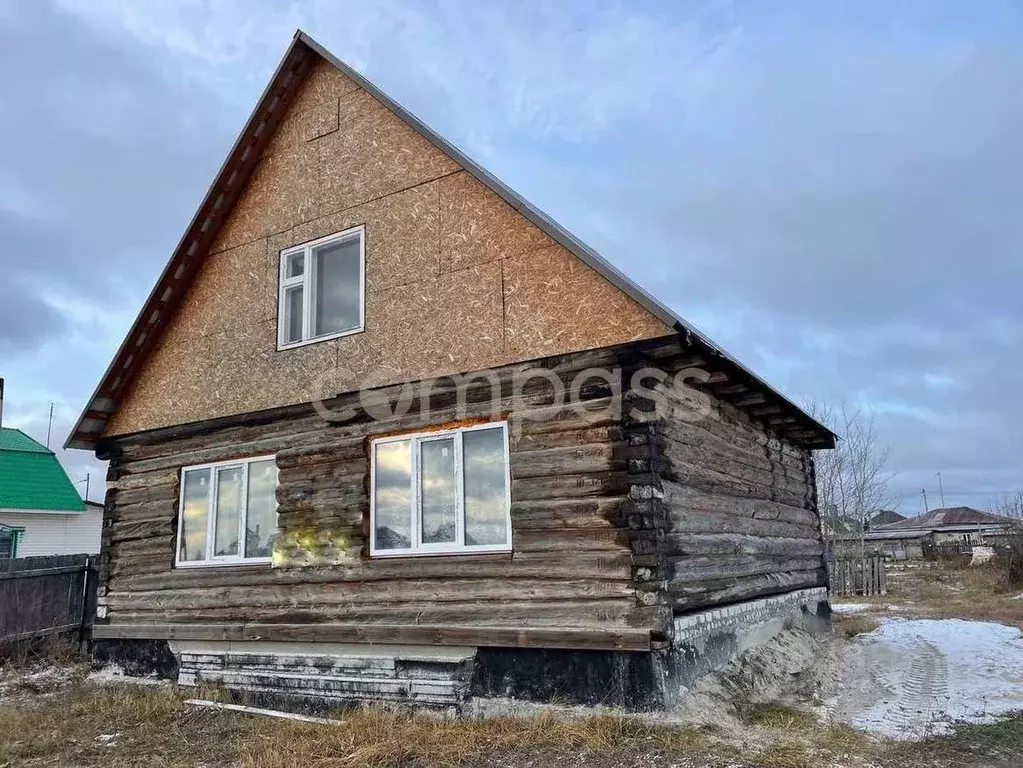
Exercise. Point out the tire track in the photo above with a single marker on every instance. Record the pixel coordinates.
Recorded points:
(921, 702)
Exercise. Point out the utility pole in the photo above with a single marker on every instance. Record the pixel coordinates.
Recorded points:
(49, 426)
(86, 481)
(941, 491)
(923, 492)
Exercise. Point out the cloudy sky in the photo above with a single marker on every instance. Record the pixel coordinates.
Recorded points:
(831, 190)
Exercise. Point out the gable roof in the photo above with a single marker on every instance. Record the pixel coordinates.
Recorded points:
(302, 54)
(32, 478)
(885, 517)
(945, 517)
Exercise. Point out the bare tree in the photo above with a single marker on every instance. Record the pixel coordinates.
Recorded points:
(853, 478)
(1011, 506)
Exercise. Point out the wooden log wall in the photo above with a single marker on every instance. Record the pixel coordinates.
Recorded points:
(572, 561)
(726, 510)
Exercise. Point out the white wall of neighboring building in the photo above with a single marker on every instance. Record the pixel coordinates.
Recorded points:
(56, 533)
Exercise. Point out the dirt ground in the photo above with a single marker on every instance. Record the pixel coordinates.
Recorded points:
(67, 715)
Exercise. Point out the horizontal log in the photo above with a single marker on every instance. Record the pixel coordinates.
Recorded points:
(559, 418)
(300, 514)
(728, 422)
(574, 460)
(721, 479)
(686, 545)
(300, 493)
(383, 594)
(684, 571)
(717, 438)
(566, 438)
(727, 591)
(701, 500)
(570, 486)
(502, 637)
(142, 529)
(123, 565)
(554, 514)
(162, 492)
(147, 510)
(145, 479)
(156, 546)
(340, 448)
(603, 566)
(688, 521)
(737, 465)
(570, 540)
(604, 613)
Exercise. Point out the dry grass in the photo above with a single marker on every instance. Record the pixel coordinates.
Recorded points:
(126, 725)
(55, 649)
(852, 624)
(954, 589)
(119, 725)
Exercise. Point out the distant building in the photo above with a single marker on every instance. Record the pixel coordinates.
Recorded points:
(41, 513)
(913, 537)
(884, 517)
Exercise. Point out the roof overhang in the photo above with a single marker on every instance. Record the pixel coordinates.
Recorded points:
(231, 180)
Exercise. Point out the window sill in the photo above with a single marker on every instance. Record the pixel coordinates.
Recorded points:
(410, 554)
(257, 561)
(318, 339)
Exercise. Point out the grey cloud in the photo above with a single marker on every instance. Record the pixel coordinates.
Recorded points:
(110, 157)
(25, 319)
(835, 196)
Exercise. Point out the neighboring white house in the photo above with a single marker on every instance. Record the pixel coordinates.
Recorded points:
(41, 513)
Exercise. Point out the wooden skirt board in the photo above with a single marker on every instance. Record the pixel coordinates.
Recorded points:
(580, 639)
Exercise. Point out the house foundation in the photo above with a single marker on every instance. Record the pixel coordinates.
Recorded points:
(323, 676)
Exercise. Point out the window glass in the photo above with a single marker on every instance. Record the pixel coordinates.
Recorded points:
(437, 491)
(393, 495)
(295, 266)
(194, 514)
(445, 492)
(228, 511)
(260, 514)
(486, 493)
(338, 287)
(293, 309)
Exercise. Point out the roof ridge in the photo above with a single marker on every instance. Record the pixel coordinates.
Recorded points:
(39, 447)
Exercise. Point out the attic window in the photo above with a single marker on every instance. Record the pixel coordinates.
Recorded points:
(322, 289)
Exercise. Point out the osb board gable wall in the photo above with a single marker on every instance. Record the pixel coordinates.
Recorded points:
(457, 280)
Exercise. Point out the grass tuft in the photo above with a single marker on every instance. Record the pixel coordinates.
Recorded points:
(853, 624)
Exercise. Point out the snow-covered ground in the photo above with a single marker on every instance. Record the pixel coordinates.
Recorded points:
(913, 678)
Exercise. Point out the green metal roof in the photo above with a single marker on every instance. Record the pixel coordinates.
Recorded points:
(31, 476)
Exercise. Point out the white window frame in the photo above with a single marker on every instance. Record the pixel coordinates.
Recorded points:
(211, 516)
(458, 547)
(308, 282)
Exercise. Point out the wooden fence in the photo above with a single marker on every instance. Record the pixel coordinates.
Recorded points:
(42, 596)
(858, 576)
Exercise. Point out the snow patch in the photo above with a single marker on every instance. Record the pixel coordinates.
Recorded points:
(914, 678)
(113, 674)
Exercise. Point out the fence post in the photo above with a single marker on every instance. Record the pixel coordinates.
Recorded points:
(88, 601)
